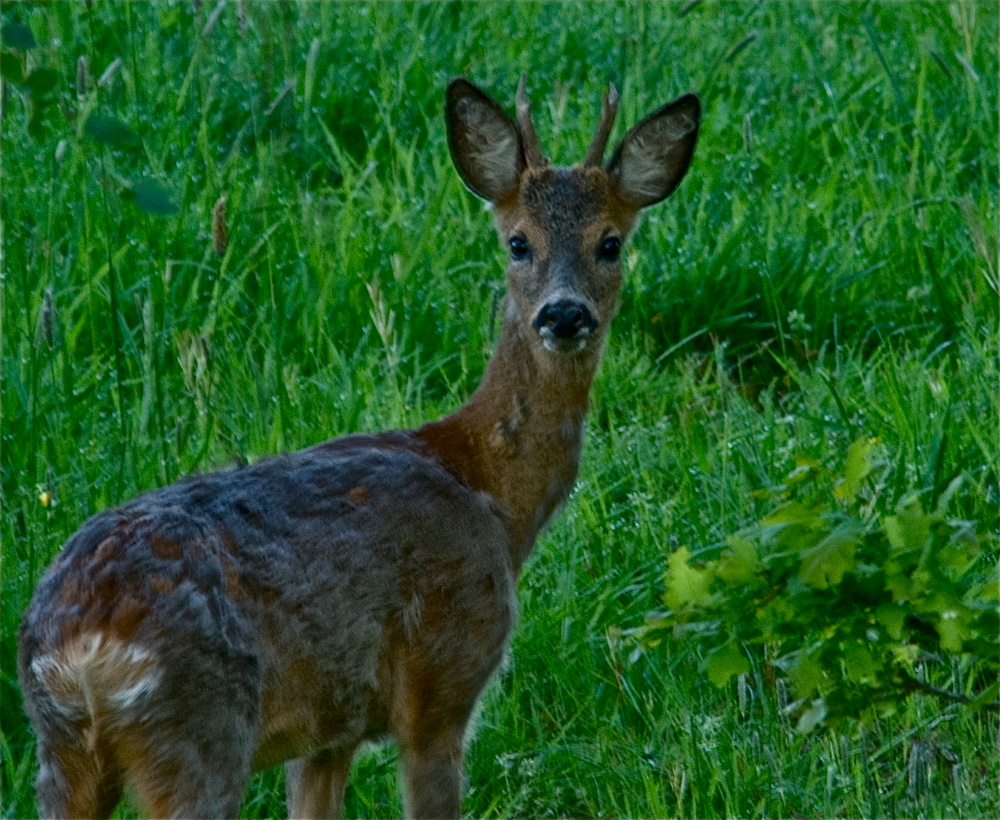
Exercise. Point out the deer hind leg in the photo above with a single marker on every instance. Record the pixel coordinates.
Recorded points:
(178, 775)
(190, 753)
(315, 786)
(75, 780)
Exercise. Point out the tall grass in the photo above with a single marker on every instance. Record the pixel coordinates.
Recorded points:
(828, 269)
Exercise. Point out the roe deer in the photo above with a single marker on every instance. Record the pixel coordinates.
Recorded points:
(364, 587)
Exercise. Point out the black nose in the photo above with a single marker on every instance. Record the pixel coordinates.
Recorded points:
(565, 319)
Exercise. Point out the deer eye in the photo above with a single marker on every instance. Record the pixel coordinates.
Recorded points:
(519, 248)
(610, 249)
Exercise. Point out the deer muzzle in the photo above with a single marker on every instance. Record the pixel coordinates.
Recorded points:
(564, 325)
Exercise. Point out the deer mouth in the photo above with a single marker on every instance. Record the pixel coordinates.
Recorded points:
(558, 344)
(564, 326)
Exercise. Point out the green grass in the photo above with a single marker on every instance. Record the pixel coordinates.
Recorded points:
(827, 270)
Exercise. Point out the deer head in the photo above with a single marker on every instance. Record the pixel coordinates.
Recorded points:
(564, 227)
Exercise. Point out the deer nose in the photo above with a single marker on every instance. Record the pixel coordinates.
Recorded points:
(565, 320)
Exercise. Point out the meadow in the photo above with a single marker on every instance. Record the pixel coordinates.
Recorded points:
(827, 271)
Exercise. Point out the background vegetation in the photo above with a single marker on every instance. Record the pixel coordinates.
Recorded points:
(827, 273)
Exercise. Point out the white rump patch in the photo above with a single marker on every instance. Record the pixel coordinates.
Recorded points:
(97, 676)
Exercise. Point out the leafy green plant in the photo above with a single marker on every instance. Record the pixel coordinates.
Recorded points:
(843, 598)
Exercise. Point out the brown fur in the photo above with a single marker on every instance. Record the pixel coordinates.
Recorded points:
(361, 588)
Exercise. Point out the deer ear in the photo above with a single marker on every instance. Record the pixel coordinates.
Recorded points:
(485, 145)
(654, 156)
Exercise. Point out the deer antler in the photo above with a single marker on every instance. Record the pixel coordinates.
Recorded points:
(608, 110)
(529, 139)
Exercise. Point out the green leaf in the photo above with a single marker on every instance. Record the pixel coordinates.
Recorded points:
(987, 591)
(739, 564)
(18, 36)
(153, 198)
(36, 125)
(686, 584)
(892, 617)
(861, 666)
(945, 498)
(901, 587)
(894, 533)
(824, 565)
(952, 623)
(108, 130)
(812, 717)
(10, 68)
(985, 697)
(806, 469)
(856, 469)
(806, 675)
(724, 663)
(905, 654)
(909, 530)
(42, 80)
(952, 632)
(792, 513)
(776, 613)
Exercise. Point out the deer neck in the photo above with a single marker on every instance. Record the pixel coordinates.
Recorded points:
(519, 436)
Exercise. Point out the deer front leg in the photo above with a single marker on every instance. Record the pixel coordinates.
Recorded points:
(433, 771)
(314, 787)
